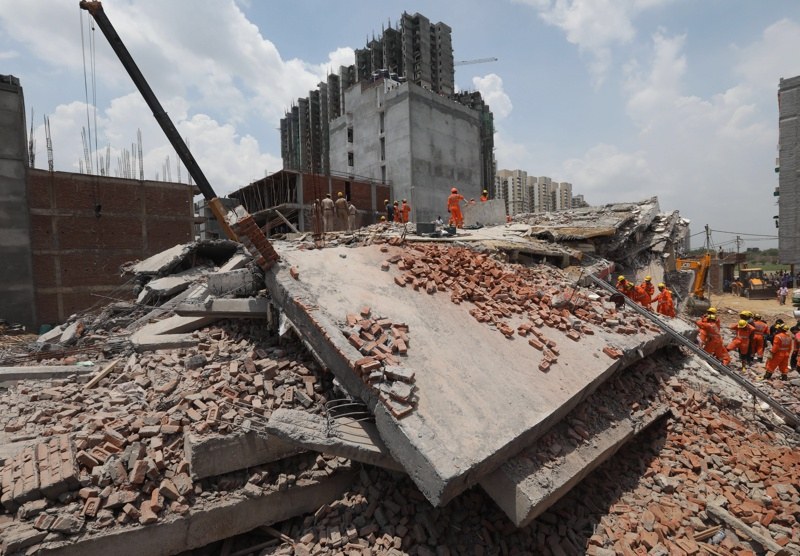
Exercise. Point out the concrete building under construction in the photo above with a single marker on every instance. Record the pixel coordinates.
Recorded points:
(788, 170)
(393, 117)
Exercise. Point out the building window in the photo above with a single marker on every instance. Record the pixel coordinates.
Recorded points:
(383, 173)
(350, 159)
(383, 148)
(382, 114)
(349, 134)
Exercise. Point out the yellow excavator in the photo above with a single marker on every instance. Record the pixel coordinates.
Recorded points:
(699, 299)
(237, 223)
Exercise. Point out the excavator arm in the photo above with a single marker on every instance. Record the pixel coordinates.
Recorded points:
(698, 301)
(237, 224)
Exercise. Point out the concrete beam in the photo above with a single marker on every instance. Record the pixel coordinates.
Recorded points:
(169, 333)
(221, 519)
(347, 437)
(524, 490)
(249, 308)
(242, 281)
(212, 455)
(41, 373)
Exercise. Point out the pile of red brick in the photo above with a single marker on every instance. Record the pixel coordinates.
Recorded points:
(382, 342)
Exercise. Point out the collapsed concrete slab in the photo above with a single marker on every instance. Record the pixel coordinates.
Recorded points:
(524, 490)
(210, 455)
(202, 526)
(45, 372)
(469, 378)
(242, 281)
(354, 439)
(169, 285)
(249, 307)
(168, 333)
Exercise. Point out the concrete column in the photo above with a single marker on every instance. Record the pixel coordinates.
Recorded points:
(17, 304)
(301, 218)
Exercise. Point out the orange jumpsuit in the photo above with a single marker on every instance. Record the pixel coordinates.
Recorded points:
(713, 340)
(453, 206)
(649, 289)
(761, 328)
(665, 305)
(405, 210)
(741, 342)
(639, 295)
(484, 198)
(781, 349)
(398, 215)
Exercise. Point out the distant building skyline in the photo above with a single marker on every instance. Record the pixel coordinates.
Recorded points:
(523, 193)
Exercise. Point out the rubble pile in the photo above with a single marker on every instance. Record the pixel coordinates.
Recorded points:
(116, 453)
(664, 494)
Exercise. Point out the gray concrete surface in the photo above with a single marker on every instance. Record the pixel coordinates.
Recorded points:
(210, 455)
(470, 378)
(228, 517)
(251, 308)
(169, 333)
(488, 213)
(349, 438)
(524, 490)
(39, 373)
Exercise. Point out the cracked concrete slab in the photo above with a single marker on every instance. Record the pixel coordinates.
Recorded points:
(469, 378)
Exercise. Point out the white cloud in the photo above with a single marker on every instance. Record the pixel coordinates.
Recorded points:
(594, 26)
(8, 54)
(607, 171)
(763, 62)
(491, 88)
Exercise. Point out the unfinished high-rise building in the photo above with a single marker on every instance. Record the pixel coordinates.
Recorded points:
(789, 171)
(445, 138)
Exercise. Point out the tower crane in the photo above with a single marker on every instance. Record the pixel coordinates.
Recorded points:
(476, 61)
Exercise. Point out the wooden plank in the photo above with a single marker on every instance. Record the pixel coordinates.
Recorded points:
(101, 375)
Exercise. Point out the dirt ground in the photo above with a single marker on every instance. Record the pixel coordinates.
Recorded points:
(729, 306)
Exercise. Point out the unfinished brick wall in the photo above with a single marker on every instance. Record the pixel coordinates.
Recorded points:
(78, 249)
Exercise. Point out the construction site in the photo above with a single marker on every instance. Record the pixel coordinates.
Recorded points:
(389, 388)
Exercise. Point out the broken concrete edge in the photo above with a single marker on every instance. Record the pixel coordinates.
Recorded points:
(169, 333)
(249, 307)
(204, 526)
(44, 372)
(309, 431)
(523, 506)
(212, 455)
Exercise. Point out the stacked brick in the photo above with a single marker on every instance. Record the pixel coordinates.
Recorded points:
(383, 343)
(256, 242)
(506, 296)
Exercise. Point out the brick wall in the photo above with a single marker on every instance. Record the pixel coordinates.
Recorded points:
(84, 227)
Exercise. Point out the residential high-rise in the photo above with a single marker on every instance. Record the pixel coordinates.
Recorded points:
(789, 170)
(523, 193)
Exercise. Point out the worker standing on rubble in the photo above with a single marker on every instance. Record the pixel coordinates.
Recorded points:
(454, 207)
(649, 289)
(622, 285)
(701, 336)
(398, 214)
(341, 210)
(637, 294)
(761, 329)
(351, 217)
(778, 358)
(484, 196)
(709, 329)
(327, 212)
(664, 303)
(741, 342)
(405, 210)
(389, 210)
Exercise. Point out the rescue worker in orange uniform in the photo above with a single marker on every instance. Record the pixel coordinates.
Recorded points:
(637, 294)
(709, 329)
(622, 285)
(779, 356)
(711, 312)
(649, 289)
(398, 215)
(664, 305)
(759, 334)
(741, 342)
(454, 207)
(405, 210)
(484, 196)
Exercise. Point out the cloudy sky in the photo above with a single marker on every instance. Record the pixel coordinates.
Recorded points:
(625, 99)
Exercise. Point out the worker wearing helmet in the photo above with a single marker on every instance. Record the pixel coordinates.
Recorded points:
(713, 339)
(649, 289)
(484, 196)
(398, 214)
(639, 295)
(454, 207)
(341, 211)
(741, 342)
(328, 209)
(622, 285)
(664, 304)
(701, 336)
(405, 211)
(760, 332)
(779, 356)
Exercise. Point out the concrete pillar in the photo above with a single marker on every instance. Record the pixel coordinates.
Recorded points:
(17, 304)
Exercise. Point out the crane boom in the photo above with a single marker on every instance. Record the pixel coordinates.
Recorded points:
(238, 219)
(476, 61)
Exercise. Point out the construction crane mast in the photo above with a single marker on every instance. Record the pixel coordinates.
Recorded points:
(236, 220)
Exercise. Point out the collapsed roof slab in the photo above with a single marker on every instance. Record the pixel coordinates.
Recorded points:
(481, 396)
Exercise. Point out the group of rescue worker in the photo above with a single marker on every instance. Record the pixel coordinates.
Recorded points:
(340, 210)
(645, 295)
(395, 212)
(752, 338)
(400, 213)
